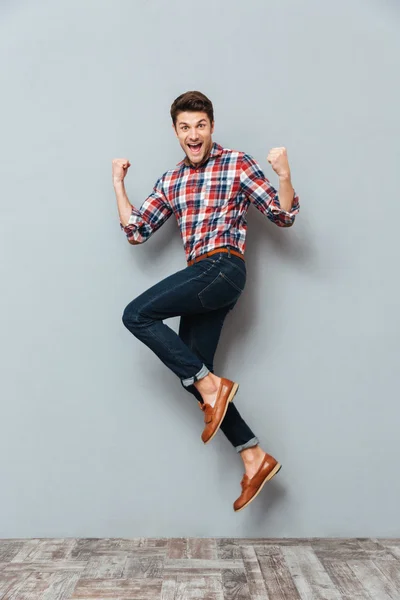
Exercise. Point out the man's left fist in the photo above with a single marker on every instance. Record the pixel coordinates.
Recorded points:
(278, 159)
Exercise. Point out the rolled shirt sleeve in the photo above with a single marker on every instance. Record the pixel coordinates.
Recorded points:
(263, 195)
(153, 213)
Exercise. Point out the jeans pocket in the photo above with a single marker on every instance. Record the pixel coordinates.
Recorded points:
(222, 291)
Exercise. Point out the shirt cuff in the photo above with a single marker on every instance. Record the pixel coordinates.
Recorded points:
(292, 212)
(134, 219)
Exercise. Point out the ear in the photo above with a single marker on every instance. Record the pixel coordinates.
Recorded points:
(174, 128)
(212, 127)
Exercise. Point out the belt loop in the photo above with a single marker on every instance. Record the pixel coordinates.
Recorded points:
(229, 252)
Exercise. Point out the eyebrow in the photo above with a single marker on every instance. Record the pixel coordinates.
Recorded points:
(198, 122)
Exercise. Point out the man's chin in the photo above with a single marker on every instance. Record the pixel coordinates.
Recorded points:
(195, 156)
(195, 160)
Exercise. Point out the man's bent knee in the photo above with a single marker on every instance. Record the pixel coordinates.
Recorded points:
(131, 316)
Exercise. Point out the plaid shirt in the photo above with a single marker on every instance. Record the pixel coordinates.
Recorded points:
(209, 202)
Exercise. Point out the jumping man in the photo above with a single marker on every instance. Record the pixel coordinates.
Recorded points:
(209, 192)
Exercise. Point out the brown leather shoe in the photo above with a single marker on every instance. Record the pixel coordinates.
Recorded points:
(252, 487)
(214, 415)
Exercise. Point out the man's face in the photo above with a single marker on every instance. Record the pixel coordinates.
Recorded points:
(193, 130)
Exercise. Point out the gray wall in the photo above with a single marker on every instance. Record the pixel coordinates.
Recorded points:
(97, 437)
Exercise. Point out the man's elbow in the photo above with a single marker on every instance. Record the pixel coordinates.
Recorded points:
(285, 224)
(133, 242)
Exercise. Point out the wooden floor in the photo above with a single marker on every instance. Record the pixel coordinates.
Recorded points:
(209, 569)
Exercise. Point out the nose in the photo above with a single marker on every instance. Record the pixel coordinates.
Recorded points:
(193, 136)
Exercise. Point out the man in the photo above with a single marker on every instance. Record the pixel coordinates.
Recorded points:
(209, 192)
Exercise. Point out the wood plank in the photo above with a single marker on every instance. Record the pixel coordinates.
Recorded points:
(272, 541)
(372, 580)
(44, 566)
(143, 589)
(391, 570)
(390, 541)
(29, 588)
(27, 548)
(226, 548)
(343, 549)
(195, 588)
(168, 588)
(104, 566)
(8, 549)
(150, 565)
(158, 543)
(374, 549)
(11, 581)
(177, 548)
(60, 586)
(254, 576)
(276, 574)
(84, 548)
(348, 584)
(309, 575)
(234, 584)
(52, 549)
(200, 564)
(118, 545)
(394, 550)
(202, 548)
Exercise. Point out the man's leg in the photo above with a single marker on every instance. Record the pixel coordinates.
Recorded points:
(201, 333)
(177, 295)
(143, 317)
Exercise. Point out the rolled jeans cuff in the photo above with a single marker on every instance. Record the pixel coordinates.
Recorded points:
(253, 442)
(190, 380)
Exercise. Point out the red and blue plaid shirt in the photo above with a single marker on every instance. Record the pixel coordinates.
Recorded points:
(209, 202)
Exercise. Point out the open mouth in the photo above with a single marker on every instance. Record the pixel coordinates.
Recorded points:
(195, 148)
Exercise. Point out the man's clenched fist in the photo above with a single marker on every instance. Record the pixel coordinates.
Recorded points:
(120, 168)
(278, 159)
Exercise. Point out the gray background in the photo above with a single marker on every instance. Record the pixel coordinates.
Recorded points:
(97, 437)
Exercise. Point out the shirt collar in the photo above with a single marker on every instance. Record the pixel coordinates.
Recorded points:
(216, 150)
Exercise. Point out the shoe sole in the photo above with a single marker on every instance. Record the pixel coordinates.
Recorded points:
(231, 396)
(274, 471)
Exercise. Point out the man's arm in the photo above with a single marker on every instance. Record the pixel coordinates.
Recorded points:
(286, 192)
(279, 161)
(281, 208)
(139, 225)
(125, 208)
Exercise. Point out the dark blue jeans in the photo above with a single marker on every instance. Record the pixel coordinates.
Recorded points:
(202, 295)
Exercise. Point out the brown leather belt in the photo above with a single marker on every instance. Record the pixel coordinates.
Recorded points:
(215, 251)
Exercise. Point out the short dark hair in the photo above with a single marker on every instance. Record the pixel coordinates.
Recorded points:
(194, 102)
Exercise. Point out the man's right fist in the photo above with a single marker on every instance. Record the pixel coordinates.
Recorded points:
(120, 168)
